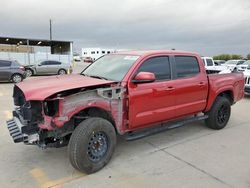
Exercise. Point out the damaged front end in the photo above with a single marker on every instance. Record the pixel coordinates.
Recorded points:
(26, 116)
(49, 123)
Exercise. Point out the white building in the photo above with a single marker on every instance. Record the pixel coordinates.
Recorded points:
(95, 53)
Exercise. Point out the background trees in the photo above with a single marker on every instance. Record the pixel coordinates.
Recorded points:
(248, 56)
(228, 56)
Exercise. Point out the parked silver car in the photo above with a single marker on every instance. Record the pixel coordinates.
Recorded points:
(47, 67)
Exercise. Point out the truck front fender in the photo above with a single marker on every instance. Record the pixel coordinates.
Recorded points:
(109, 100)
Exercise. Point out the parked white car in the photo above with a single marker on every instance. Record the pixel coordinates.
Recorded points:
(247, 79)
(233, 64)
(243, 66)
(211, 66)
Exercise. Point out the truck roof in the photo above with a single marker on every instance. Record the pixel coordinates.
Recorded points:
(152, 52)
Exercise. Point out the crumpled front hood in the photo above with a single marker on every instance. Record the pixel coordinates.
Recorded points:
(41, 88)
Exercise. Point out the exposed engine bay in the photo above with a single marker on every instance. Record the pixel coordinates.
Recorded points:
(49, 123)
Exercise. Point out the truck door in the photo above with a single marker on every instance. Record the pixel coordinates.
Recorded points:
(154, 102)
(5, 71)
(191, 85)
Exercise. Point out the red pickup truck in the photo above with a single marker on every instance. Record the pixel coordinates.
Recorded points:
(134, 94)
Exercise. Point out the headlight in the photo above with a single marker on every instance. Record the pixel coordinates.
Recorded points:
(51, 107)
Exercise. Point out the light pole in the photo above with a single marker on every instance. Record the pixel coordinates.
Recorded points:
(50, 30)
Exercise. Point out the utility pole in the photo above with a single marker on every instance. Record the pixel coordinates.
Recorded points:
(50, 29)
(28, 50)
(50, 35)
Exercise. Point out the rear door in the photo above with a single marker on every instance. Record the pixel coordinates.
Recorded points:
(191, 85)
(151, 103)
(5, 70)
(42, 68)
(54, 66)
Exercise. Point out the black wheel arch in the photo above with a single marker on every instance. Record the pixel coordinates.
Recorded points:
(96, 112)
(228, 94)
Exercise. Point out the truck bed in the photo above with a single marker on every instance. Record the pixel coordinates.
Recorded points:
(231, 82)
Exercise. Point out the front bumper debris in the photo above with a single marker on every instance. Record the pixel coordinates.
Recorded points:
(15, 127)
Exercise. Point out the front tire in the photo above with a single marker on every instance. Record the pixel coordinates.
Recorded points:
(92, 144)
(29, 72)
(219, 114)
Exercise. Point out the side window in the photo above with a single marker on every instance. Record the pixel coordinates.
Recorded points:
(44, 63)
(160, 66)
(5, 63)
(209, 62)
(186, 66)
(240, 62)
(54, 63)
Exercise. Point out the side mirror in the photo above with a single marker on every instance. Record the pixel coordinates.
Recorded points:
(144, 77)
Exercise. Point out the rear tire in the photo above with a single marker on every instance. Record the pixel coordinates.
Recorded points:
(62, 72)
(219, 114)
(16, 78)
(92, 144)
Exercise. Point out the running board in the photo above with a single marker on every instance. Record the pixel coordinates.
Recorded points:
(163, 127)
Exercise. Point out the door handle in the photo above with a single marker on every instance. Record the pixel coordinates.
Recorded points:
(170, 88)
(201, 84)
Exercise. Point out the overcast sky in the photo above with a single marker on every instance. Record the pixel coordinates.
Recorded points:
(206, 26)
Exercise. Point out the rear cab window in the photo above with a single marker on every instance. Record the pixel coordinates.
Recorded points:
(186, 66)
(160, 66)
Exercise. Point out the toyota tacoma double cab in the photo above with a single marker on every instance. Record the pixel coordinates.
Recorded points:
(134, 94)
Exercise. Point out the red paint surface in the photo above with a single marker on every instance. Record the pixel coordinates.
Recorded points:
(41, 88)
(156, 102)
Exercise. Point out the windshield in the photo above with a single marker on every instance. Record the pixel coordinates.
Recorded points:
(16, 63)
(111, 67)
(231, 62)
(246, 62)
